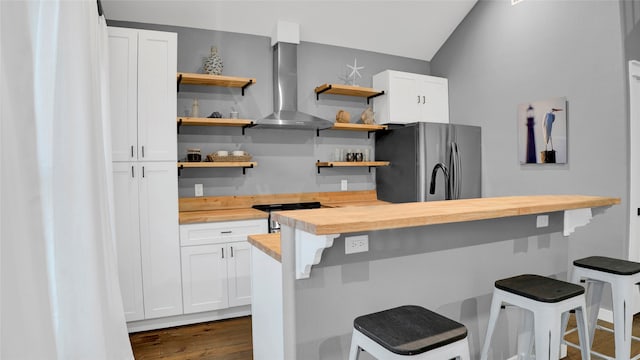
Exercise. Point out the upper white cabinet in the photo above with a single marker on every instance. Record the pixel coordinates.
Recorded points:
(142, 66)
(411, 98)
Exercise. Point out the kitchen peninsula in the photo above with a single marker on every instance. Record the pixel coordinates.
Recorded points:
(441, 255)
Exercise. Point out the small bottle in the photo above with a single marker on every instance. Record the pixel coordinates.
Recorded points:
(195, 108)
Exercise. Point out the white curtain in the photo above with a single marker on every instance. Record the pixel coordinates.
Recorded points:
(60, 297)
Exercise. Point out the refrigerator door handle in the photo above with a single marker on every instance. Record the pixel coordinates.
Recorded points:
(456, 172)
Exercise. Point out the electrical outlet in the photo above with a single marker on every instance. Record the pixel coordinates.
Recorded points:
(199, 190)
(542, 221)
(343, 185)
(356, 244)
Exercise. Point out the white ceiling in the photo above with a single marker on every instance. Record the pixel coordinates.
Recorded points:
(414, 29)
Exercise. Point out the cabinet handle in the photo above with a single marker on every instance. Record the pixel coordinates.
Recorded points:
(132, 151)
(231, 251)
(423, 99)
(226, 232)
(223, 253)
(132, 173)
(143, 171)
(142, 150)
(418, 99)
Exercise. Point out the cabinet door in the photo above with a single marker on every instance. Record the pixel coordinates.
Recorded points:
(157, 67)
(159, 239)
(435, 107)
(404, 100)
(123, 85)
(204, 278)
(127, 232)
(239, 270)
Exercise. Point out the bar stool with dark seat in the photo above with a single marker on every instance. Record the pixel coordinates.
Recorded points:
(623, 276)
(546, 299)
(409, 332)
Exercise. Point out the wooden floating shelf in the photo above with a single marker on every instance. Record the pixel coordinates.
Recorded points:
(217, 164)
(357, 127)
(348, 90)
(369, 164)
(191, 121)
(214, 80)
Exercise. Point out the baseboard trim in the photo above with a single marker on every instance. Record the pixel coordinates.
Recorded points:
(179, 320)
(605, 315)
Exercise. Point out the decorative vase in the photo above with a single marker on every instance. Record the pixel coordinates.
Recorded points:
(213, 63)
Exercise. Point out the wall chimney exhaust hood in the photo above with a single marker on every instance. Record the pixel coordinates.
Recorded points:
(285, 84)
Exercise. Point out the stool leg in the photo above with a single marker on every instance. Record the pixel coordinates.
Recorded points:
(525, 335)
(355, 349)
(622, 318)
(585, 342)
(594, 297)
(547, 343)
(496, 302)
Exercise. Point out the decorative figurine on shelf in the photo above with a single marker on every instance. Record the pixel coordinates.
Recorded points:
(368, 117)
(351, 78)
(195, 108)
(215, 115)
(343, 116)
(213, 63)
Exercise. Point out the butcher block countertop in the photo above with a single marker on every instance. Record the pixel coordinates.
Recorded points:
(268, 243)
(392, 216)
(192, 217)
(229, 208)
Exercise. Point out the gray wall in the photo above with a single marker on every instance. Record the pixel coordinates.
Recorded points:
(285, 158)
(503, 55)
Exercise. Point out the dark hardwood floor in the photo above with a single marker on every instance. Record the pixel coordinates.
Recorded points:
(219, 340)
(231, 340)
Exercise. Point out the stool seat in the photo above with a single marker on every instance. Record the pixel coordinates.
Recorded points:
(609, 265)
(540, 288)
(410, 329)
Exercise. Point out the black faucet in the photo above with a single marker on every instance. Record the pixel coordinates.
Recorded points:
(434, 172)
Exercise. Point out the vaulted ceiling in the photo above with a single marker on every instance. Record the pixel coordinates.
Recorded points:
(414, 29)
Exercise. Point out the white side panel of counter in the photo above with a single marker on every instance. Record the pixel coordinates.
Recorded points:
(266, 287)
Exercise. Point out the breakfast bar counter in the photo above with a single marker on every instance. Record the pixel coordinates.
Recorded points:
(442, 255)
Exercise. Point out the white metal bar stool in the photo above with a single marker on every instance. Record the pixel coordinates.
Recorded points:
(623, 276)
(547, 299)
(409, 332)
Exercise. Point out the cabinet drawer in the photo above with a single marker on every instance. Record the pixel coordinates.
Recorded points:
(220, 232)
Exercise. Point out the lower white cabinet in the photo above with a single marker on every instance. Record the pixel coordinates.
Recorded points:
(147, 238)
(216, 264)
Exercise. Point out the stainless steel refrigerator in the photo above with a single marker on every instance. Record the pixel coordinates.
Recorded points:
(429, 161)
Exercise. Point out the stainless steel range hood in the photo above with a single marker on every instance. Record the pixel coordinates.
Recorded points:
(285, 93)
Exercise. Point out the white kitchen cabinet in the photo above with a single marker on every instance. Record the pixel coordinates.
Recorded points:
(239, 273)
(159, 239)
(216, 264)
(204, 278)
(410, 98)
(147, 238)
(127, 232)
(143, 67)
